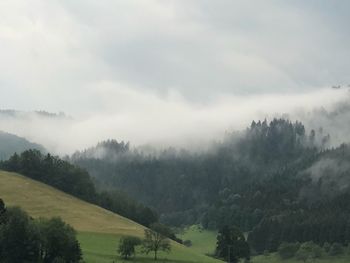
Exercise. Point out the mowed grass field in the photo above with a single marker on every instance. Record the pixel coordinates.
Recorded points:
(99, 230)
(203, 241)
(102, 248)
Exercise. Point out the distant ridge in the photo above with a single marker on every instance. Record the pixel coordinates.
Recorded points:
(10, 143)
(11, 113)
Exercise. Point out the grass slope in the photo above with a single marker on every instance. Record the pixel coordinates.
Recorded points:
(203, 241)
(98, 229)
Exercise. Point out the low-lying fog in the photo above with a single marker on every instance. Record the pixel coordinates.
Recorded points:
(172, 121)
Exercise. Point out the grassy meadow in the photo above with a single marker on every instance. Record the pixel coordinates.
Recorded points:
(102, 248)
(203, 241)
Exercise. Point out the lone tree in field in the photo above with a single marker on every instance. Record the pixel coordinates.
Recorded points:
(231, 245)
(127, 246)
(155, 241)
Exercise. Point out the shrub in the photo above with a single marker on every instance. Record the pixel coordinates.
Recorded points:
(336, 249)
(308, 250)
(287, 250)
(326, 247)
(188, 243)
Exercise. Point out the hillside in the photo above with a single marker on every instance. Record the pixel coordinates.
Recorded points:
(98, 229)
(10, 143)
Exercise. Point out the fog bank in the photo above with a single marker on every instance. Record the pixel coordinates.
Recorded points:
(173, 121)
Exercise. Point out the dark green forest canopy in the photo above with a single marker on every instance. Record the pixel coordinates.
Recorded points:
(179, 181)
(270, 174)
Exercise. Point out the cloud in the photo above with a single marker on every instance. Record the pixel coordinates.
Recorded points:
(171, 121)
(52, 50)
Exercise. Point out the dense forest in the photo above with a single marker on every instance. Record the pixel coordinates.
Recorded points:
(275, 180)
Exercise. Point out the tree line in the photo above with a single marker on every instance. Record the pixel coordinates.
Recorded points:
(310, 250)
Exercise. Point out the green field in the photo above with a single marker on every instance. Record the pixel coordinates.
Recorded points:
(98, 229)
(102, 248)
(273, 258)
(203, 241)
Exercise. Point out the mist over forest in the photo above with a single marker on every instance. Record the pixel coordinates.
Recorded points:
(180, 125)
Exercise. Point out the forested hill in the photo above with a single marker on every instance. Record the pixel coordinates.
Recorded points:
(76, 181)
(10, 143)
(179, 181)
(273, 174)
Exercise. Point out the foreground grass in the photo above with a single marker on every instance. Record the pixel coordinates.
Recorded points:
(99, 230)
(102, 248)
(274, 258)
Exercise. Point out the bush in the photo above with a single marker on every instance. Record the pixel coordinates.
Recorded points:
(308, 250)
(326, 247)
(348, 249)
(188, 243)
(336, 249)
(317, 251)
(287, 250)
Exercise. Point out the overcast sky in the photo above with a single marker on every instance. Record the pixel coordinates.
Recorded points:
(134, 57)
(76, 56)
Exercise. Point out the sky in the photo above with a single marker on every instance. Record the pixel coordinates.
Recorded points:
(134, 66)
